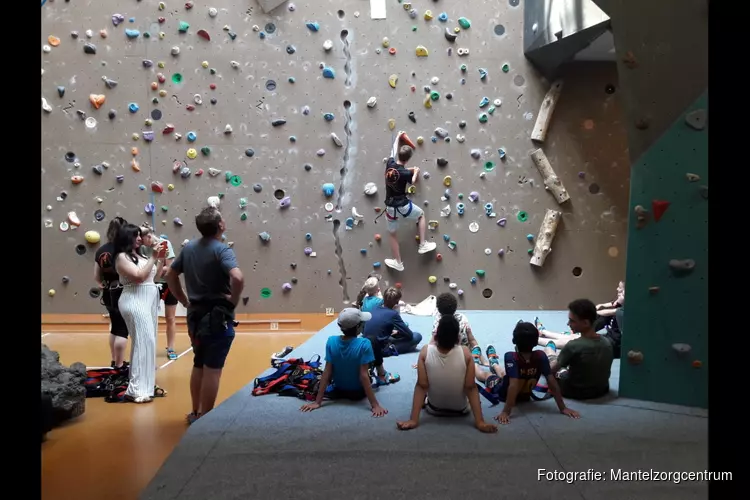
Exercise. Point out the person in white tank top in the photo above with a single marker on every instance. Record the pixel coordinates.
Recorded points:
(445, 382)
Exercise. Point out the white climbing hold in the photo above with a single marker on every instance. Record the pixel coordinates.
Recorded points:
(453, 286)
(372, 101)
(89, 33)
(446, 211)
(175, 51)
(697, 119)
(212, 12)
(214, 201)
(487, 251)
(473, 227)
(497, 103)
(197, 99)
(460, 138)
(682, 348)
(328, 207)
(213, 172)
(64, 226)
(234, 64)
(45, 106)
(228, 129)
(435, 80)
(371, 188)
(336, 140)
(46, 49)
(184, 242)
(356, 214)
(327, 45)
(693, 177)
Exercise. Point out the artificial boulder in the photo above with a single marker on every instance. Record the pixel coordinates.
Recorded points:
(65, 386)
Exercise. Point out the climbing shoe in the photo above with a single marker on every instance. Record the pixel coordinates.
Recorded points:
(476, 354)
(171, 354)
(492, 355)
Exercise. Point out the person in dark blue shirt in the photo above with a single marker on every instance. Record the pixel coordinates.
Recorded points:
(348, 359)
(519, 374)
(388, 330)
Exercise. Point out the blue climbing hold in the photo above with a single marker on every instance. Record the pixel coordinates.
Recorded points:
(376, 265)
(484, 102)
(308, 236)
(501, 153)
(130, 33)
(133, 107)
(291, 79)
(149, 208)
(443, 17)
(350, 223)
(482, 73)
(262, 35)
(328, 189)
(312, 26)
(142, 187)
(473, 281)
(329, 73)
(191, 137)
(530, 237)
(446, 237)
(433, 139)
(363, 251)
(328, 117)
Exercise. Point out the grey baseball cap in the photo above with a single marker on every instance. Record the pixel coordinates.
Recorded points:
(351, 317)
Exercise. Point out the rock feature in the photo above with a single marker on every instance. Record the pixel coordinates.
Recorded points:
(64, 386)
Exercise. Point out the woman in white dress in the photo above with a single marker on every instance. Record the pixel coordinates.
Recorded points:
(139, 306)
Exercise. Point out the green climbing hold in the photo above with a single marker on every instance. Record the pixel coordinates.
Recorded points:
(506, 68)
(464, 23)
(265, 293)
(434, 95)
(243, 203)
(480, 273)
(235, 180)
(146, 34)
(522, 216)
(460, 196)
(212, 71)
(164, 208)
(463, 68)
(483, 118)
(530, 251)
(228, 176)
(184, 27)
(243, 216)
(414, 28)
(489, 166)
(205, 150)
(176, 78)
(491, 109)
(220, 195)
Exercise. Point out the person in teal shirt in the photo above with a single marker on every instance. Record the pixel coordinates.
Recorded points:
(369, 297)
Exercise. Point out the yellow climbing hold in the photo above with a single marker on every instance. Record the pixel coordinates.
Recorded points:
(428, 15)
(386, 42)
(161, 64)
(391, 124)
(456, 30)
(92, 237)
(170, 187)
(411, 189)
(162, 93)
(51, 292)
(420, 140)
(422, 51)
(407, 6)
(192, 153)
(427, 102)
(392, 81)
(447, 181)
(204, 64)
(432, 279)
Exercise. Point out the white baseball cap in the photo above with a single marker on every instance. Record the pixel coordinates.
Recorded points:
(351, 317)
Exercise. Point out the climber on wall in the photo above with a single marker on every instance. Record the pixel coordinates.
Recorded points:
(397, 203)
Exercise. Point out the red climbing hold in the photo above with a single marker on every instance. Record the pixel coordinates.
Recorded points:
(199, 172)
(190, 107)
(161, 20)
(157, 187)
(659, 207)
(212, 86)
(204, 34)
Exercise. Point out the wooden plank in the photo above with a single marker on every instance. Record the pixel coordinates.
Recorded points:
(543, 245)
(551, 181)
(543, 119)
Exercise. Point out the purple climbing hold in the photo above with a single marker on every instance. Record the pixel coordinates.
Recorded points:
(308, 251)
(148, 135)
(149, 208)
(147, 63)
(177, 222)
(501, 252)
(120, 178)
(321, 152)
(285, 202)
(117, 19)
(460, 292)
(581, 175)
(286, 287)
(305, 110)
(502, 222)
(474, 196)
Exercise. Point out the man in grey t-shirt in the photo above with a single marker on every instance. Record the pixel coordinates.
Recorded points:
(214, 284)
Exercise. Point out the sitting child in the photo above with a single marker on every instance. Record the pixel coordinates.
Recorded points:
(445, 384)
(587, 357)
(447, 304)
(370, 297)
(385, 319)
(348, 359)
(522, 369)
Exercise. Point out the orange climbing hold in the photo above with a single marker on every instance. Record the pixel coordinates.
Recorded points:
(97, 100)
(134, 151)
(697, 363)
(378, 237)
(76, 179)
(134, 165)
(53, 40)
(658, 207)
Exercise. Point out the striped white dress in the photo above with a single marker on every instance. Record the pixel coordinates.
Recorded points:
(139, 306)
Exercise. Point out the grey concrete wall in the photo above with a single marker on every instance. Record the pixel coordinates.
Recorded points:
(586, 135)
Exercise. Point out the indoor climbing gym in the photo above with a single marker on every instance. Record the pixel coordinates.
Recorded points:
(337, 246)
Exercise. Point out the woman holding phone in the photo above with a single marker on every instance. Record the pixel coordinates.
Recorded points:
(139, 306)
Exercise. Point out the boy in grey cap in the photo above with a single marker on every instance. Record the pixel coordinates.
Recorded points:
(348, 359)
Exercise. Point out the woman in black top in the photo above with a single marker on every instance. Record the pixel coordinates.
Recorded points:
(108, 280)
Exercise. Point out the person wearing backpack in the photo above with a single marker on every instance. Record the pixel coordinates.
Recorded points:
(348, 359)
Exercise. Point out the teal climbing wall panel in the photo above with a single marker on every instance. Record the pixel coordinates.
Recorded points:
(678, 312)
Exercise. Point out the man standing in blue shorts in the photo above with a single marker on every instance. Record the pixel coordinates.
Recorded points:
(397, 203)
(214, 285)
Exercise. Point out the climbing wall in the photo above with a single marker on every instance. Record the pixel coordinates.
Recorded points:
(151, 107)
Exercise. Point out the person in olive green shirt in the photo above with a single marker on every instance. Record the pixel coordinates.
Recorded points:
(583, 365)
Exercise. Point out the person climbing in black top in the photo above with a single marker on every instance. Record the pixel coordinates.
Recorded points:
(397, 203)
(108, 280)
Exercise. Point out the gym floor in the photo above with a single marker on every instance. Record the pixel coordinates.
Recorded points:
(122, 445)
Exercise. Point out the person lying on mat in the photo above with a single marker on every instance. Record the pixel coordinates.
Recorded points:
(348, 359)
(445, 382)
(606, 319)
(385, 319)
(588, 358)
(513, 381)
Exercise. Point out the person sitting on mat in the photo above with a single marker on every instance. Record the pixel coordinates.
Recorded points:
(385, 319)
(588, 358)
(348, 359)
(514, 379)
(370, 297)
(445, 381)
(397, 203)
(447, 304)
(606, 319)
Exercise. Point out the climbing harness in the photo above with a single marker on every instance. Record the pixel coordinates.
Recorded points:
(293, 377)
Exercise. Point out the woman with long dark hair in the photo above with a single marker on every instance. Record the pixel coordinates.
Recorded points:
(139, 306)
(108, 280)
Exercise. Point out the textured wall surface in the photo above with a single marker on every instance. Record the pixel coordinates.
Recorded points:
(586, 145)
